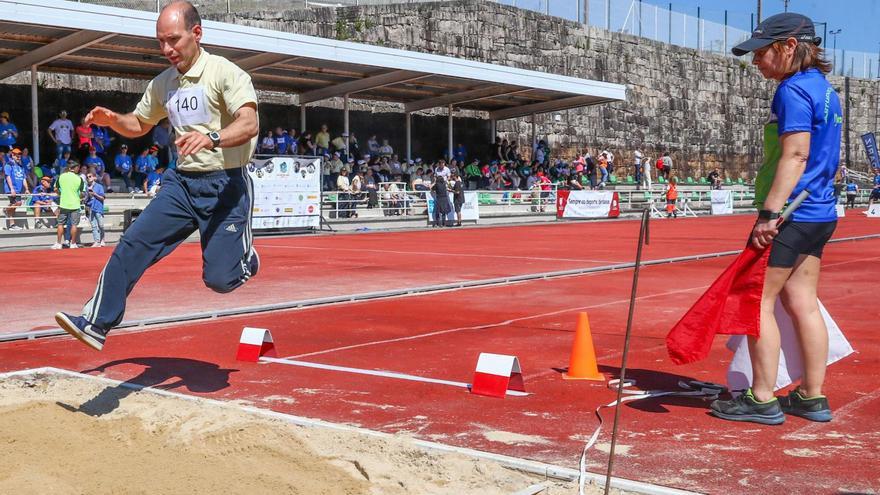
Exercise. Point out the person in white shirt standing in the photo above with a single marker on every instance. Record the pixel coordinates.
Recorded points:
(61, 132)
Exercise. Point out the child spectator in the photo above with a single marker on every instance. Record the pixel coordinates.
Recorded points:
(671, 197)
(153, 182)
(42, 201)
(95, 202)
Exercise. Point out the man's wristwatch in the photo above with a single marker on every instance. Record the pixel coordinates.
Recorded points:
(767, 215)
(215, 139)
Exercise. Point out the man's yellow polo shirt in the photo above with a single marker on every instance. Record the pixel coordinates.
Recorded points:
(203, 100)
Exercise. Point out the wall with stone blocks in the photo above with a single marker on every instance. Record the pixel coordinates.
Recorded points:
(707, 109)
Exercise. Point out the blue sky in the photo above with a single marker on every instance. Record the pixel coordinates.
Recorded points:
(857, 19)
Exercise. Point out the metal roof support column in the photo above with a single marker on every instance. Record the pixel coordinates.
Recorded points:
(408, 136)
(493, 130)
(345, 112)
(533, 143)
(35, 113)
(449, 156)
(302, 119)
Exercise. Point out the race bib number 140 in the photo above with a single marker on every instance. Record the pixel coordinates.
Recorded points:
(187, 106)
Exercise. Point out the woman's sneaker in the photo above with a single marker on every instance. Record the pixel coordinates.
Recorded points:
(747, 408)
(812, 408)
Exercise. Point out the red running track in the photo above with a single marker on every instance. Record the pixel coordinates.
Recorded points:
(306, 267)
(669, 441)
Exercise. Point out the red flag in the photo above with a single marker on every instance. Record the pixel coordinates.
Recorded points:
(731, 305)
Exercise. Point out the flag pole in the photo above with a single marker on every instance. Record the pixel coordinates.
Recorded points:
(643, 239)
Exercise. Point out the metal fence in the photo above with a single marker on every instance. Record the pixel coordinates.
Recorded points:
(708, 30)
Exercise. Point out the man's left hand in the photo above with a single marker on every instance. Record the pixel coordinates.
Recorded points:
(192, 142)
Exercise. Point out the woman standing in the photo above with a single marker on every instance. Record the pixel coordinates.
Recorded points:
(801, 149)
(441, 201)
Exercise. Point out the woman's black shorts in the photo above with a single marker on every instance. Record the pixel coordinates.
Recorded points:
(797, 238)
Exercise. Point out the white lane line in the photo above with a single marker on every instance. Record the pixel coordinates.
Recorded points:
(434, 253)
(382, 373)
(491, 325)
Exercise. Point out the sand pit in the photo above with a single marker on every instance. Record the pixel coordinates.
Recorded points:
(68, 435)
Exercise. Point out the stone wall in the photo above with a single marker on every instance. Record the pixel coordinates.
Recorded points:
(707, 109)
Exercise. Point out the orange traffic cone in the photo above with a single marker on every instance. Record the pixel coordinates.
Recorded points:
(582, 365)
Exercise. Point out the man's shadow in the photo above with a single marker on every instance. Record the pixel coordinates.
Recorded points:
(195, 376)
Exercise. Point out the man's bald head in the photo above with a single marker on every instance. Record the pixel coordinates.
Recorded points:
(179, 31)
(183, 10)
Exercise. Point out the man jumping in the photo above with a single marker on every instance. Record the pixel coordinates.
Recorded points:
(212, 105)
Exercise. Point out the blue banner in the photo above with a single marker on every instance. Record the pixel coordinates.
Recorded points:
(871, 149)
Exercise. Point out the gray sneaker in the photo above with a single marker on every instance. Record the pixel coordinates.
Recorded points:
(812, 408)
(746, 408)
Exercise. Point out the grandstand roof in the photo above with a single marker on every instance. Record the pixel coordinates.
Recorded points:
(70, 37)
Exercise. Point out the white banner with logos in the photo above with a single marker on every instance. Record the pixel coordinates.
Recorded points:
(841, 211)
(470, 209)
(587, 204)
(722, 201)
(287, 192)
(874, 211)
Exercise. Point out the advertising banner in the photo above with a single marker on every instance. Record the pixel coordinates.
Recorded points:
(470, 209)
(287, 192)
(722, 202)
(870, 143)
(587, 204)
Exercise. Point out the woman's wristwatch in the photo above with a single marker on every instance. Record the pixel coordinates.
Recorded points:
(768, 215)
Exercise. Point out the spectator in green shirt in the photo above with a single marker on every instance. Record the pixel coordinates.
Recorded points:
(70, 188)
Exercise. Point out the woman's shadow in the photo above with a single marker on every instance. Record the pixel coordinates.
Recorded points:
(195, 376)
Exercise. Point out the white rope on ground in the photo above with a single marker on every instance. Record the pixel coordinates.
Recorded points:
(693, 388)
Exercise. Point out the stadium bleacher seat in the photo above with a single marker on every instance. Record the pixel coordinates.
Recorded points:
(689, 180)
(703, 180)
(612, 179)
(630, 180)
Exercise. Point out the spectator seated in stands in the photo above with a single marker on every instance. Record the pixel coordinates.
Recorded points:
(392, 199)
(714, 178)
(472, 174)
(124, 166)
(60, 164)
(153, 182)
(43, 201)
(141, 169)
(95, 161)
